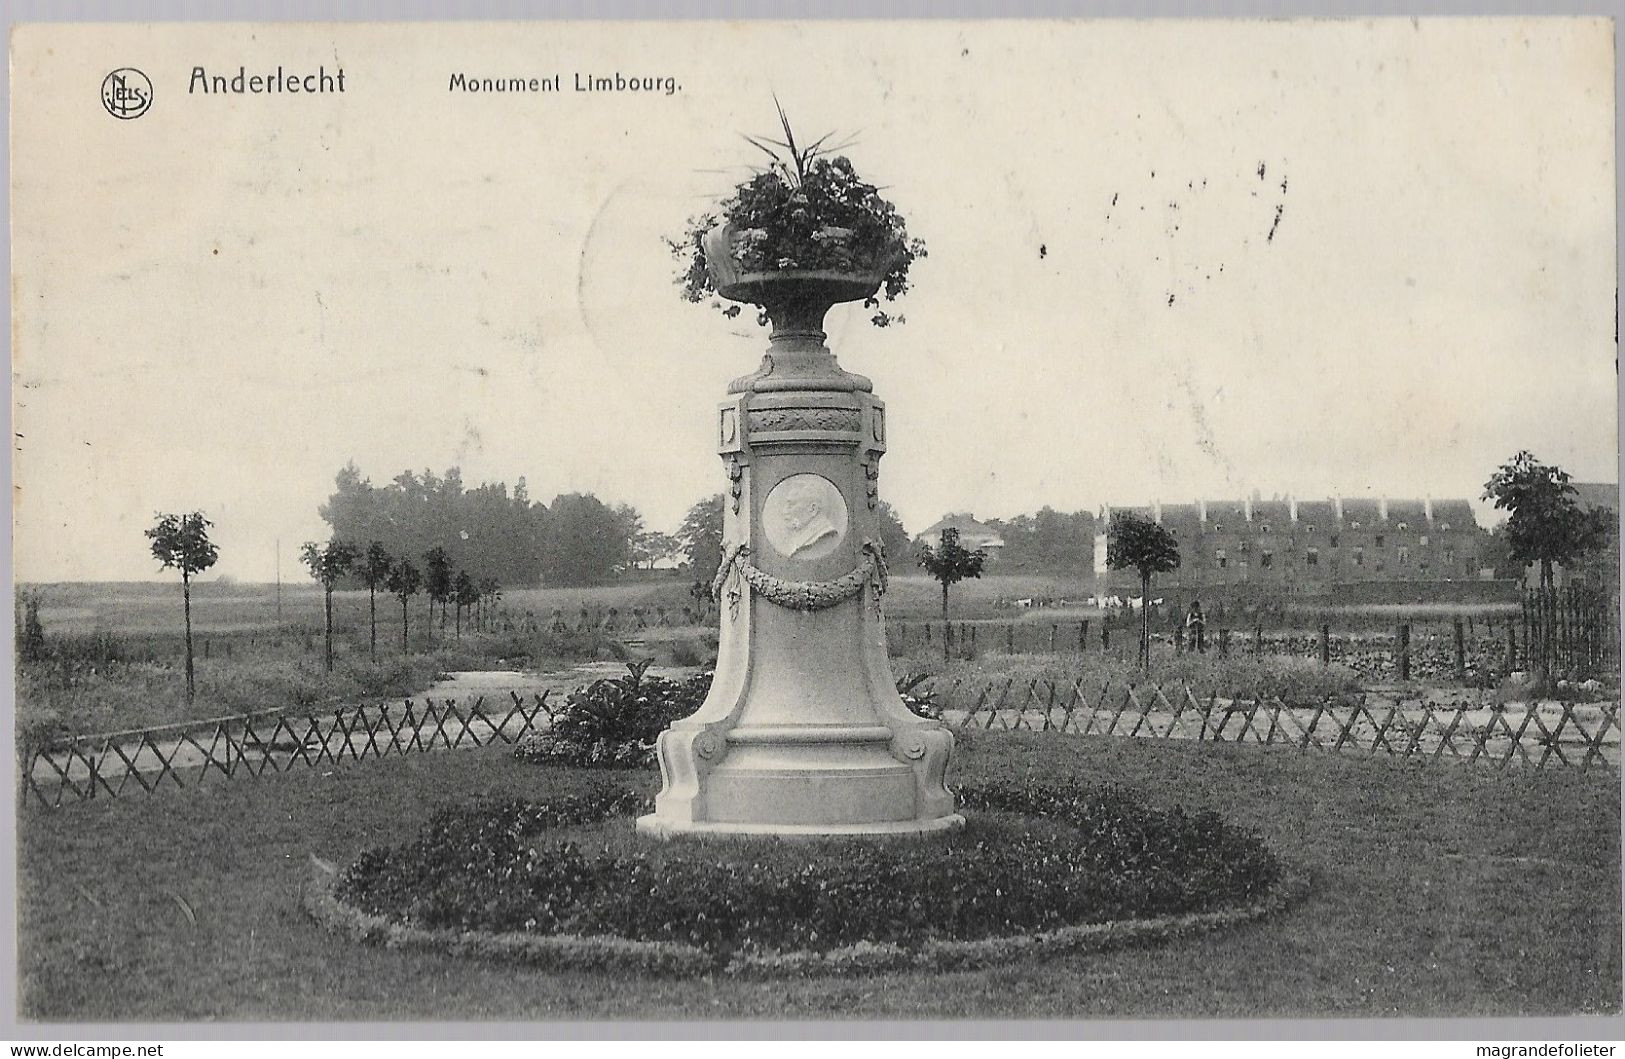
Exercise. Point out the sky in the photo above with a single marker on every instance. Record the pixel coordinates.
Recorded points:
(1166, 259)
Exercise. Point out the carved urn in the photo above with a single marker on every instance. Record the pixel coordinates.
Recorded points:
(803, 732)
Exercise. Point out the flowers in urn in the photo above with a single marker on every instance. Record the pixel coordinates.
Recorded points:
(805, 211)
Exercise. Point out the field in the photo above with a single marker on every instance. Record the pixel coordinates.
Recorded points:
(116, 651)
(183, 905)
(116, 659)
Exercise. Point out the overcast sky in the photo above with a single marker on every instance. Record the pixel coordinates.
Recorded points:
(1166, 259)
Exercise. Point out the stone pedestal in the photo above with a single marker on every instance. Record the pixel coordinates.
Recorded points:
(803, 732)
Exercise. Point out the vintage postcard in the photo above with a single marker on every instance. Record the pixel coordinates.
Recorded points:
(825, 520)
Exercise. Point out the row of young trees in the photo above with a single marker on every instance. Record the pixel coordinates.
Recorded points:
(439, 580)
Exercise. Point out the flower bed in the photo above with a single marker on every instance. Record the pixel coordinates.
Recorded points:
(1037, 869)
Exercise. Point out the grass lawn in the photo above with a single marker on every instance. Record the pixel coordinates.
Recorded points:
(1438, 890)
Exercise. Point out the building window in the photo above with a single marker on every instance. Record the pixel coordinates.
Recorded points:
(1422, 540)
(1334, 540)
(1265, 528)
(1217, 528)
(1444, 527)
(1312, 557)
(1243, 548)
(1379, 540)
(1266, 559)
(1359, 557)
(1404, 555)
(1449, 556)
(1354, 525)
(1403, 526)
(1222, 558)
(1381, 566)
(1311, 527)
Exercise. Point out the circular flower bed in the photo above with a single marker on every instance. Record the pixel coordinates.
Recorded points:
(1037, 868)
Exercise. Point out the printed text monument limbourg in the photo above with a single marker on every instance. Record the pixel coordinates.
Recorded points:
(616, 82)
(243, 82)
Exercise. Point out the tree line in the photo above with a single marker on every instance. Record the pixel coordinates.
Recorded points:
(490, 532)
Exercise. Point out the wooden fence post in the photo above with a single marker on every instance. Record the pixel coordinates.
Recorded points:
(1461, 654)
(1105, 636)
(1512, 647)
(1083, 636)
(1325, 644)
(1053, 630)
(1258, 637)
(1010, 638)
(1402, 637)
(1224, 642)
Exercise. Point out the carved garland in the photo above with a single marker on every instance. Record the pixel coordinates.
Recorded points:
(802, 595)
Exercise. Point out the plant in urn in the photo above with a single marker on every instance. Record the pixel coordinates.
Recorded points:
(803, 732)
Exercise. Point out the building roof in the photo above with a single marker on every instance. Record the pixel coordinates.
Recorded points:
(967, 526)
(1597, 495)
(1276, 511)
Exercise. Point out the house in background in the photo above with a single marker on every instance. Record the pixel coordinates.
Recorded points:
(972, 534)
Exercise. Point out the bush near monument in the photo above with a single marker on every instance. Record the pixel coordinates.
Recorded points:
(1033, 857)
(613, 723)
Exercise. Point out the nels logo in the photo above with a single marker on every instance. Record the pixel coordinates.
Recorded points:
(126, 93)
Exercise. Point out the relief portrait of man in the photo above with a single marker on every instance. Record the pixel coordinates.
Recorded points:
(806, 517)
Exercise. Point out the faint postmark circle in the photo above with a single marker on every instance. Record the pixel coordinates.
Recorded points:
(126, 93)
(805, 517)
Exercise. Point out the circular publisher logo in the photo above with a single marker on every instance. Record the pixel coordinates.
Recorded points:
(126, 93)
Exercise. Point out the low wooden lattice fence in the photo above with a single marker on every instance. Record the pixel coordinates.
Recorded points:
(1540, 735)
(1537, 735)
(224, 748)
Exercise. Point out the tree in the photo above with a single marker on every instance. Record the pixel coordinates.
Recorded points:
(328, 564)
(1547, 526)
(1146, 546)
(464, 595)
(181, 542)
(586, 540)
(436, 583)
(701, 538)
(403, 582)
(651, 547)
(951, 562)
(894, 539)
(375, 567)
(490, 593)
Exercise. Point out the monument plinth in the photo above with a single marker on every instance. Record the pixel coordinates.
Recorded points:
(803, 732)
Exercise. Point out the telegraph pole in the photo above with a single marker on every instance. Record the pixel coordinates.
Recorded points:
(279, 580)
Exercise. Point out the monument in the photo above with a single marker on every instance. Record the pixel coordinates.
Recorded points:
(803, 732)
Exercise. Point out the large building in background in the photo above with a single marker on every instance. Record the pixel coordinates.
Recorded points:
(1307, 546)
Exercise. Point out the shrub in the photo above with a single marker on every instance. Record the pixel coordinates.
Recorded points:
(613, 723)
(1033, 858)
